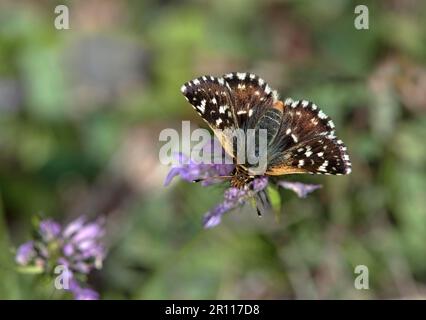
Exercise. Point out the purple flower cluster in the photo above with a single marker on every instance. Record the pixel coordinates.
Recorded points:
(234, 197)
(81, 293)
(208, 174)
(190, 170)
(77, 247)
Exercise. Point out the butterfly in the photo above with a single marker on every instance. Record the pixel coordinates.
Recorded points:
(300, 136)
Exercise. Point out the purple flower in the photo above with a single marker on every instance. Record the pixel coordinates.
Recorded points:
(90, 231)
(191, 171)
(86, 294)
(260, 183)
(81, 293)
(301, 189)
(74, 226)
(233, 197)
(82, 245)
(49, 229)
(78, 247)
(25, 253)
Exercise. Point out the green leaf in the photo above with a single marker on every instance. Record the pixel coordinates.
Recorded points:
(30, 269)
(275, 199)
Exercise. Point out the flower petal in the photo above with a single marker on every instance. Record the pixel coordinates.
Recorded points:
(81, 293)
(211, 220)
(214, 216)
(172, 173)
(301, 189)
(86, 294)
(192, 171)
(73, 226)
(49, 229)
(25, 253)
(233, 197)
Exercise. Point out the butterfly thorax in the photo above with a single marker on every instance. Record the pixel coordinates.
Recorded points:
(240, 178)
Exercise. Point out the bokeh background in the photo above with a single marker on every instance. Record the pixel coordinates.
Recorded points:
(81, 111)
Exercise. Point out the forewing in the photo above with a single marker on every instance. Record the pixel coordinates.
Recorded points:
(250, 97)
(211, 98)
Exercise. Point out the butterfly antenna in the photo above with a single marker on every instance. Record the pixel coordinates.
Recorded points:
(211, 178)
(262, 202)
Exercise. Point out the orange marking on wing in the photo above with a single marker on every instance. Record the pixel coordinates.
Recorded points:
(279, 171)
(279, 105)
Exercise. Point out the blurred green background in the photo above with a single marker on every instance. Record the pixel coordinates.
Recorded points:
(81, 111)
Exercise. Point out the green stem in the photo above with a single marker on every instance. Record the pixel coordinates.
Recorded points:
(9, 287)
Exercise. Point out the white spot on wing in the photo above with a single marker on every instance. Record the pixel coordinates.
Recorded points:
(267, 89)
(202, 106)
(323, 166)
(222, 109)
(288, 101)
(275, 95)
(241, 75)
(322, 115)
